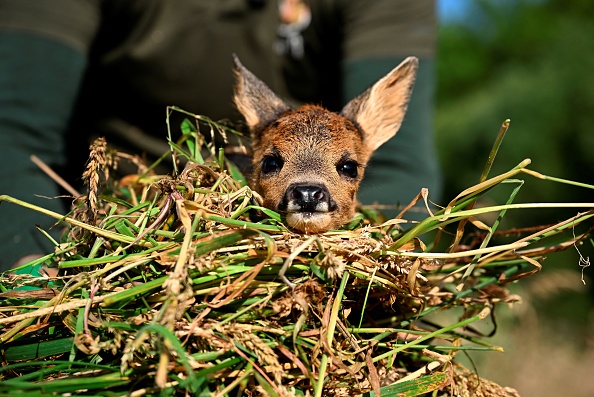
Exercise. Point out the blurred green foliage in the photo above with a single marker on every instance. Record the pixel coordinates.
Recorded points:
(531, 62)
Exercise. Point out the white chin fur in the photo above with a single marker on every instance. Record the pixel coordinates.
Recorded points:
(310, 222)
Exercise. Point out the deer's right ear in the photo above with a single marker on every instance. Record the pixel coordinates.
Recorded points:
(256, 102)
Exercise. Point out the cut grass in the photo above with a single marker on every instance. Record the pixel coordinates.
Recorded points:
(166, 286)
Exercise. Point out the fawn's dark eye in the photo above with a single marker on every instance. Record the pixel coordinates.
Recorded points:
(271, 164)
(348, 168)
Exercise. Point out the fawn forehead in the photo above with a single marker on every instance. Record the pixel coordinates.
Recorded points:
(311, 129)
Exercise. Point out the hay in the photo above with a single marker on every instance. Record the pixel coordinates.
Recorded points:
(170, 286)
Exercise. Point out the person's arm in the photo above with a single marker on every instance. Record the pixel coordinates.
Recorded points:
(378, 35)
(405, 164)
(43, 47)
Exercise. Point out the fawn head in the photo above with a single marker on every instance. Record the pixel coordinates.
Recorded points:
(307, 163)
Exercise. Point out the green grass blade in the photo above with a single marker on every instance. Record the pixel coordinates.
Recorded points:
(415, 387)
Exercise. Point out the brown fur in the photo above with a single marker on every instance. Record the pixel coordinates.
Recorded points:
(308, 162)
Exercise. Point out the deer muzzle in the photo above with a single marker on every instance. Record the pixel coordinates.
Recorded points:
(309, 207)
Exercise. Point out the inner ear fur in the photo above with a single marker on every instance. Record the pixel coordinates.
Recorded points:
(380, 109)
(254, 100)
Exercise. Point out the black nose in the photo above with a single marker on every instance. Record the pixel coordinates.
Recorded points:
(308, 198)
(308, 194)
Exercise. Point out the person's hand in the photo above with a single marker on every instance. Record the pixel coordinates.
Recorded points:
(51, 272)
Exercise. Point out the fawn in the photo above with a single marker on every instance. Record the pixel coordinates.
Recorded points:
(308, 162)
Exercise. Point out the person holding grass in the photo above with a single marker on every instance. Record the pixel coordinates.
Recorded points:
(72, 70)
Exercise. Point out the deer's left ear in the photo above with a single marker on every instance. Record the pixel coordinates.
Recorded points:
(256, 102)
(379, 111)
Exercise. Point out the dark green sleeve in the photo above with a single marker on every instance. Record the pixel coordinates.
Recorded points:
(408, 162)
(42, 47)
(378, 35)
(387, 28)
(35, 107)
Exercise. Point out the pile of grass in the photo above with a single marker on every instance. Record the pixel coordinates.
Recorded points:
(171, 286)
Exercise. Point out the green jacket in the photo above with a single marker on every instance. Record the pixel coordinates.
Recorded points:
(74, 69)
